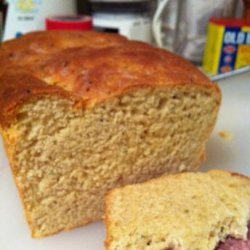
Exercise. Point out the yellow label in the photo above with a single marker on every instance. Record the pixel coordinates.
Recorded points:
(25, 5)
(213, 48)
(245, 29)
(243, 56)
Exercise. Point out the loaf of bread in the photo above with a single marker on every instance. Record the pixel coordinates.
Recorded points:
(82, 113)
(185, 211)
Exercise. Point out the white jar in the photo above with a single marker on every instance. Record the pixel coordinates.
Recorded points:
(29, 15)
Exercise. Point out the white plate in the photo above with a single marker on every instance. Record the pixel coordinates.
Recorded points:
(232, 155)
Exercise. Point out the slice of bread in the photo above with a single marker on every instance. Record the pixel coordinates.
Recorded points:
(187, 211)
(83, 113)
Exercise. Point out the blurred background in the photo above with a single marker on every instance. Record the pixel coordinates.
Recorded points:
(211, 33)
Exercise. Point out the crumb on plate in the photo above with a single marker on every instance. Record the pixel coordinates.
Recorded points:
(228, 136)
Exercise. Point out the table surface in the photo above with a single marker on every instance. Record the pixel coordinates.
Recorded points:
(233, 155)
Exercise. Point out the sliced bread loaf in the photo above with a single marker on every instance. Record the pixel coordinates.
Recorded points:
(83, 113)
(187, 211)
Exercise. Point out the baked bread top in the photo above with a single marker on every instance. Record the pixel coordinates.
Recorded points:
(87, 67)
(39, 43)
(184, 211)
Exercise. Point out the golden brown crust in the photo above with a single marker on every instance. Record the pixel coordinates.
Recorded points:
(31, 48)
(41, 43)
(90, 66)
(16, 89)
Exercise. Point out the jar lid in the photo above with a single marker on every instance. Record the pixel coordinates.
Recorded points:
(69, 23)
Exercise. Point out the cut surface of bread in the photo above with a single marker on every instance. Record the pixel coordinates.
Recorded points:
(186, 211)
(80, 121)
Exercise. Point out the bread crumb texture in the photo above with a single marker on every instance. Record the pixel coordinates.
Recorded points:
(188, 211)
(65, 159)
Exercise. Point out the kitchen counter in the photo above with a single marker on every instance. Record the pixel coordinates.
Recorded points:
(234, 117)
(233, 155)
